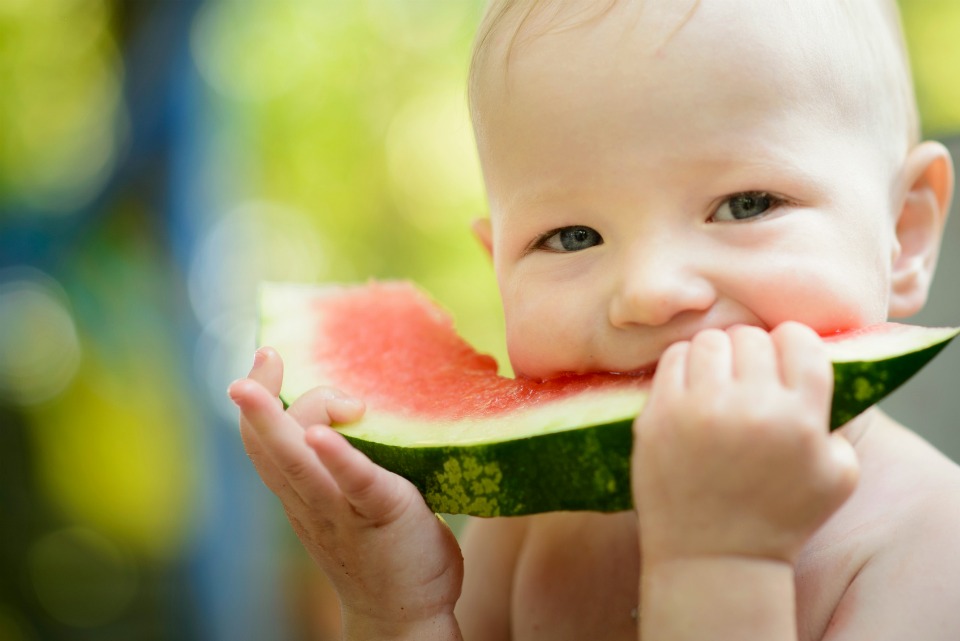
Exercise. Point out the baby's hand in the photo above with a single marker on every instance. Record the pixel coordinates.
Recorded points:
(396, 567)
(734, 457)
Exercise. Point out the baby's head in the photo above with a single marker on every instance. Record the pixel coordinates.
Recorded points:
(658, 167)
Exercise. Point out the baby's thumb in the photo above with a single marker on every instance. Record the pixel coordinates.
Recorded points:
(845, 462)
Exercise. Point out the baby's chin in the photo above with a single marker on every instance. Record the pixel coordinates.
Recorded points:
(541, 364)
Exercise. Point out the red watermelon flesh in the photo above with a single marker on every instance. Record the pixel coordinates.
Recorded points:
(425, 368)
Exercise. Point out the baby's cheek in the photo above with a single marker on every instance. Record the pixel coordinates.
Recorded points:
(532, 353)
(543, 341)
(827, 297)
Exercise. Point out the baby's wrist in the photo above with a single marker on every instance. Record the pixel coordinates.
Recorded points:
(773, 544)
(709, 554)
(733, 597)
(358, 626)
(716, 562)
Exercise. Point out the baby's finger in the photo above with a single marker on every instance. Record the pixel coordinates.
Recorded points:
(710, 360)
(325, 406)
(754, 355)
(281, 439)
(804, 363)
(268, 369)
(370, 490)
(846, 466)
(268, 471)
(671, 374)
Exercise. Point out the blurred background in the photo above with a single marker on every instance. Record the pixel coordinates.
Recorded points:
(157, 160)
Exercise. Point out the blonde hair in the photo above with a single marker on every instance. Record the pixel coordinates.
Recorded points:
(876, 43)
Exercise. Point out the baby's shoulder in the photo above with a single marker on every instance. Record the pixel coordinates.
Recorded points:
(884, 566)
(907, 500)
(906, 486)
(898, 464)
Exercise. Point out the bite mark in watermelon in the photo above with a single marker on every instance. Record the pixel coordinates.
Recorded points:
(474, 442)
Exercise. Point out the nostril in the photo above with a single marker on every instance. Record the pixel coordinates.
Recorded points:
(655, 301)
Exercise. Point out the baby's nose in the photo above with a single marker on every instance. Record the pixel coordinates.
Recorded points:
(654, 286)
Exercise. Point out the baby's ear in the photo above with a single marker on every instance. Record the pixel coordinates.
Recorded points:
(926, 203)
(484, 233)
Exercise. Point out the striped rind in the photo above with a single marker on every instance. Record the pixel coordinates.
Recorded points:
(860, 384)
(595, 407)
(582, 469)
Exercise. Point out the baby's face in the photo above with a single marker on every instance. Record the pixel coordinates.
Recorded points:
(644, 186)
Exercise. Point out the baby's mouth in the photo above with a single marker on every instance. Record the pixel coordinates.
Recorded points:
(646, 371)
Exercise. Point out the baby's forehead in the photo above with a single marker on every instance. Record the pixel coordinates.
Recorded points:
(848, 51)
(519, 21)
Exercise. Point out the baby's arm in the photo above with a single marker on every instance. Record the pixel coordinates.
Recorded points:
(490, 550)
(396, 568)
(733, 472)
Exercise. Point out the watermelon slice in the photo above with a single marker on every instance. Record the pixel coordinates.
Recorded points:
(474, 442)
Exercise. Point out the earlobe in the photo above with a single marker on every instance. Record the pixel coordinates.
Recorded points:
(919, 226)
(484, 233)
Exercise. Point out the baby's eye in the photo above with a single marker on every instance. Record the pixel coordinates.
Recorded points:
(749, 204)
(571, 239)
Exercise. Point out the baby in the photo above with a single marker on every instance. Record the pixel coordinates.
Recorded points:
(702, 187)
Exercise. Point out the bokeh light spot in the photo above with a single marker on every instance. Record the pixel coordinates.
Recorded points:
(416, 24)
(14, 627)
(434, 171)
(931, 28)
(62, 103)
(81, 578)
(256, 51)
(39, 348)
(253, 242)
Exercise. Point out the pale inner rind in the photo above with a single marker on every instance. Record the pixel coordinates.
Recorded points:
(588, 408)
(894, 340)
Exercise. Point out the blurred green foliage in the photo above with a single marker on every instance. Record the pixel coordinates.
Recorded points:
(932, 31)
(60, 106)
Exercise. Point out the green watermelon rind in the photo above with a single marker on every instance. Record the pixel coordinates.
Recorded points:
(858, 385)
(581, 469)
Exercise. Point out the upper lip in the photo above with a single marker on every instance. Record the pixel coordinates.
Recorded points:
(647, 370)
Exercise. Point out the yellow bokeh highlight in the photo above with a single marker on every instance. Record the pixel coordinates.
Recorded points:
(39, 349)
(110, 452)
(61, 113)
(932, 29)
(434, 173)
(81, 578)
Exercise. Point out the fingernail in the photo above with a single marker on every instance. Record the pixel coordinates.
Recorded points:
(231, 390)
(331, 393)
(258, 357)
(345, 404)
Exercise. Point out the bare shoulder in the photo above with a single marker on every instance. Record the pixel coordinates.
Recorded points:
(907, 515)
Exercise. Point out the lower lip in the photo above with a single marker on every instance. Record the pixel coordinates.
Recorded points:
(646, 371)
